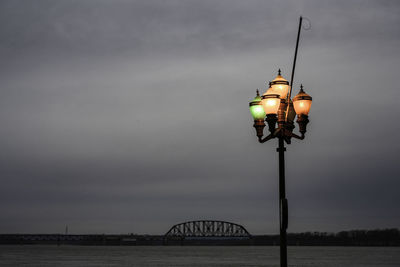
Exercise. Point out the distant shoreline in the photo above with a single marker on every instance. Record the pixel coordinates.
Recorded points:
(378, 238)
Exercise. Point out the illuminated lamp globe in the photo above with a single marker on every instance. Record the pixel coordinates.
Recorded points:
(302, 102)
(270, 103)
(280, 86)
(256, 108)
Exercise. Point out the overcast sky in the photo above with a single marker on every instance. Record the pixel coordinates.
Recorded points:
(132, 116)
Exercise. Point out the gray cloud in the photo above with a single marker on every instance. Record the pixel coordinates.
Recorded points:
(130, 116)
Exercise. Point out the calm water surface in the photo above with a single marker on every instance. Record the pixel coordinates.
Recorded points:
(63, 256)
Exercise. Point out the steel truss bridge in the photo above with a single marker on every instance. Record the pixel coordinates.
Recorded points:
(207, 229)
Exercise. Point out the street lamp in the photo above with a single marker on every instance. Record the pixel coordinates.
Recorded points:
(279, 113)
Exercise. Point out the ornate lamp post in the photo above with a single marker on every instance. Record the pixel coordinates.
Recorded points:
(277, 108)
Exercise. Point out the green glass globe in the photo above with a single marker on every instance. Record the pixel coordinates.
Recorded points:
(256, 109)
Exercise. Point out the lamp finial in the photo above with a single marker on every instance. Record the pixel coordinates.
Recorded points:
(279, 71)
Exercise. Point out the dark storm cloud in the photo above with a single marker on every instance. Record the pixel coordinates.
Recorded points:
(129, 116)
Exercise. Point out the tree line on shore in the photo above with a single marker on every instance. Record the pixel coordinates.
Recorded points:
(377, 237)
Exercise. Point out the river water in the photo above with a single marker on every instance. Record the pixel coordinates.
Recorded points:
(99, 256)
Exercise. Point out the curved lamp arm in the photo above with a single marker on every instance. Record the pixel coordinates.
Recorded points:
(265, 139)
(298, 137)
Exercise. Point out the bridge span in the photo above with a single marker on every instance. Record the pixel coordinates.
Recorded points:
(206, 231)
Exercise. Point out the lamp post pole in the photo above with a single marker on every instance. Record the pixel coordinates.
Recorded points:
(283, 203)
(275, 106)
(283, 207)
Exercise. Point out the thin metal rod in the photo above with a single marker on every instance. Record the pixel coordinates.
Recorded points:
(294, 66)
(283, 207)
